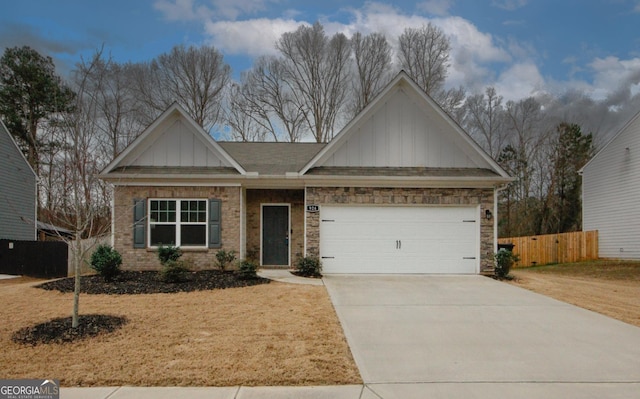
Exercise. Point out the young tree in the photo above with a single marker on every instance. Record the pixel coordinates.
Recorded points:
(30, 92)
(315, 69)
(85, 208)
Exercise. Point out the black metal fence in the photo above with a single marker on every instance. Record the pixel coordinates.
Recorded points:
(41, 259)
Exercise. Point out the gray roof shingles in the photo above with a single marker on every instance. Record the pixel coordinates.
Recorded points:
(272, 159)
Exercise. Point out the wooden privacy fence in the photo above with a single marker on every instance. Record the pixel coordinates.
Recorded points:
(41, 259)
(554, 248)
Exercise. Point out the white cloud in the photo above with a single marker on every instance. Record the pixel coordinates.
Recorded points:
(509, 5)
(189, 10)
(435, 7)
(176, 10)
(234, 8)
(519, 81)
(254, 37)
(474, 54)
(613, 74)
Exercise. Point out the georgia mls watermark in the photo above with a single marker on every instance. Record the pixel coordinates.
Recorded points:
(29, 389)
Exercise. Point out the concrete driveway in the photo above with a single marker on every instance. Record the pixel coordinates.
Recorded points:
(473, 337)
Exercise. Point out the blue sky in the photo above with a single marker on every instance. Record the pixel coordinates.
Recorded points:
(521, 47)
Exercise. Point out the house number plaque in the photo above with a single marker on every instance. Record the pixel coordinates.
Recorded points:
(313, 208)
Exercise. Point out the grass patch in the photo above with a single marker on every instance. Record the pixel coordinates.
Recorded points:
(609, 287)
(267, 334)
(601, 269)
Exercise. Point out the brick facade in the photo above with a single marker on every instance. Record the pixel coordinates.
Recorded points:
(295, 198)
(146, 259)
(402, 196)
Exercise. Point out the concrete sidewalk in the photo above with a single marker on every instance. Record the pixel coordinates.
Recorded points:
(325, 392)
(479, 390)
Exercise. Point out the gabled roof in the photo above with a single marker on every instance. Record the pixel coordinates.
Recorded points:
(408, 103)
(402, 136)
(174, 139)
(15, 148)
(272, 159)
(615, 137)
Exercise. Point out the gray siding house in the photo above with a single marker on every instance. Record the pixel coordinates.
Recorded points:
(611, 194)
(17, 191)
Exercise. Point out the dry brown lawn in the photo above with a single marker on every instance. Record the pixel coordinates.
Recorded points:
(272, 334)
(611, 288)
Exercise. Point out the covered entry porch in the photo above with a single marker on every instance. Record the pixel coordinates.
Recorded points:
(274, 226)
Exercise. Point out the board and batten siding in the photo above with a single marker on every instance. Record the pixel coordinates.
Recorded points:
(177, 145)
(401, 132)
(611, 194)
(17, 191)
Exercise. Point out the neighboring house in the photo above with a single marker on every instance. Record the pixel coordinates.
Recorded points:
(51, 232)
(610, 193)
(17, 191)
(401, 189)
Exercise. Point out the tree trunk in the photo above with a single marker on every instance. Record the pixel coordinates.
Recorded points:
(77, 251)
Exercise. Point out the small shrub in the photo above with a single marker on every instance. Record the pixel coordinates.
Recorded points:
(106, 261)
(504, 260)
(225, 258)
(168, 253)
(174, 271)
(309, 266)
(247, 270)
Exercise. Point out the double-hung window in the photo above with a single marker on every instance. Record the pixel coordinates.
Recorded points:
(178, 222)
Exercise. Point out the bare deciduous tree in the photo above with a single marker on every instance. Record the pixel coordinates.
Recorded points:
(272, 103)
(316, 71)
(84, 204)
(485, 120)
(241, 118)
(424, 55)
(372, 56)
(195, 77)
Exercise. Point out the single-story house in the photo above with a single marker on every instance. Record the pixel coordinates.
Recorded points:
(18, 212)
(610, 191)
(400, 189)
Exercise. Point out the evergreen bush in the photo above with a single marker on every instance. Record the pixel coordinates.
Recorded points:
(106, 261)
(308, 266)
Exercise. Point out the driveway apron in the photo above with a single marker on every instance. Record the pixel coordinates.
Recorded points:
(471, 336)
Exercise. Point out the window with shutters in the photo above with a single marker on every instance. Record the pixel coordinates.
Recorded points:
(181, 222)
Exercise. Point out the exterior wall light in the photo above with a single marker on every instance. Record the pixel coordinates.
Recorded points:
(488, 214)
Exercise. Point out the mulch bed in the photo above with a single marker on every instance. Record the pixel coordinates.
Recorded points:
(59, 331)
(148, 282)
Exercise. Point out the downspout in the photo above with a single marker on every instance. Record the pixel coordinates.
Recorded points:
(113, 216)
(495, 215)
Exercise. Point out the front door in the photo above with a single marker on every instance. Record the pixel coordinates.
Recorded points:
(275, 235)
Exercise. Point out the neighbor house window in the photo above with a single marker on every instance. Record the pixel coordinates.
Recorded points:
(182, 223)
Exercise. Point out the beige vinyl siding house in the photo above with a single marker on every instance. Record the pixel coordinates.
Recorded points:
(401, 189)
(611, 194)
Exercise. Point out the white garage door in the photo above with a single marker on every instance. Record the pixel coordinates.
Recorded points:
(397, 239)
